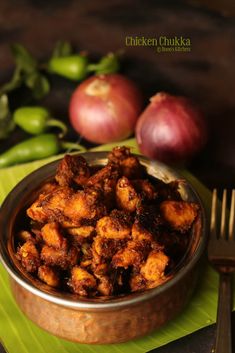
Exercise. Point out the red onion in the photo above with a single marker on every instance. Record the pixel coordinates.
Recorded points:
(170, 129)
(105, 108)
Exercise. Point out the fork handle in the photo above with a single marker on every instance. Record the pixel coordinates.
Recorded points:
(223, 342)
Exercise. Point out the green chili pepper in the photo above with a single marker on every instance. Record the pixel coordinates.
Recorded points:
(7, 124)
(73, 67)
(107, 65)
(35, 148)
(36, 120)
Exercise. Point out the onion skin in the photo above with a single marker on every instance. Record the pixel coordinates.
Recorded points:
(170, 129)
(105, 108)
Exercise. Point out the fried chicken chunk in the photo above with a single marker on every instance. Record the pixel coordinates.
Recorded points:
(140, 233)
(137, 282)
(105, 285)
(84, 205)
(52, 236)
(81, 281)
(50, 205)
(48, 187)
(61, 258)
(24, 235)
(153, 270)
(132, 255)
(129, 165)
(126, 196)
(80, 235)
(179, 214)
(144, 188)
(115, 226)
(105, 247)
(28, 255)
(147, 222)
(106, 179)
(49, 275)
(72, 169)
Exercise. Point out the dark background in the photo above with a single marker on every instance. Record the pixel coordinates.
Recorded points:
(206, 74)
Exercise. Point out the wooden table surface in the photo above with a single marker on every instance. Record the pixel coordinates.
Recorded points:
(206, 74)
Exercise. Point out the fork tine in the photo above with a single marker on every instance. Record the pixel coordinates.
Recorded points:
(223, 215)
(232, 216)
(213, 214)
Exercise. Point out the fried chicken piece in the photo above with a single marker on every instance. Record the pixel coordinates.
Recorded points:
(118, 154)
(81, 281)
(140, 233)
(144, 188)
(85, 204)
(154, 268)
(50, 205)
(72, 169)
(148, 223)
(24, 235)
(129, 165)
(61, 258)
(82, 234)
(87, 255)
(101, 270)
(52, 236)
(28, 255)
(179, 214)
(48, 187)
(132, 255)
(86, 263)
(131, 168)
(36, 211)
(126, 196)
(115, 226)
(86, 249)
(49, 275)
(137, 282)
(106, 179)
(105, 247)
(105, 286)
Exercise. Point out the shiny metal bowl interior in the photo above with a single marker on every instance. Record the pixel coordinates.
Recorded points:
(24, 193)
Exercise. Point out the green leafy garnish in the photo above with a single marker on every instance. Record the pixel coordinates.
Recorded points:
(38, 83)
(26, 72)
(23, 59)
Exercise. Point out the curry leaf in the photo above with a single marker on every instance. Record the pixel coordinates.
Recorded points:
(38, 83)
(14, 82)
(24, 60)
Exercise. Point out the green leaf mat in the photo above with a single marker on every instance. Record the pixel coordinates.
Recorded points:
(20, 335)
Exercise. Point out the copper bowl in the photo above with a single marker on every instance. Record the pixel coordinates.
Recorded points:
(97, 320)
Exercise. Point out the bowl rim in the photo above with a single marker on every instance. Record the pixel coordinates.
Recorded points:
(113, 303)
